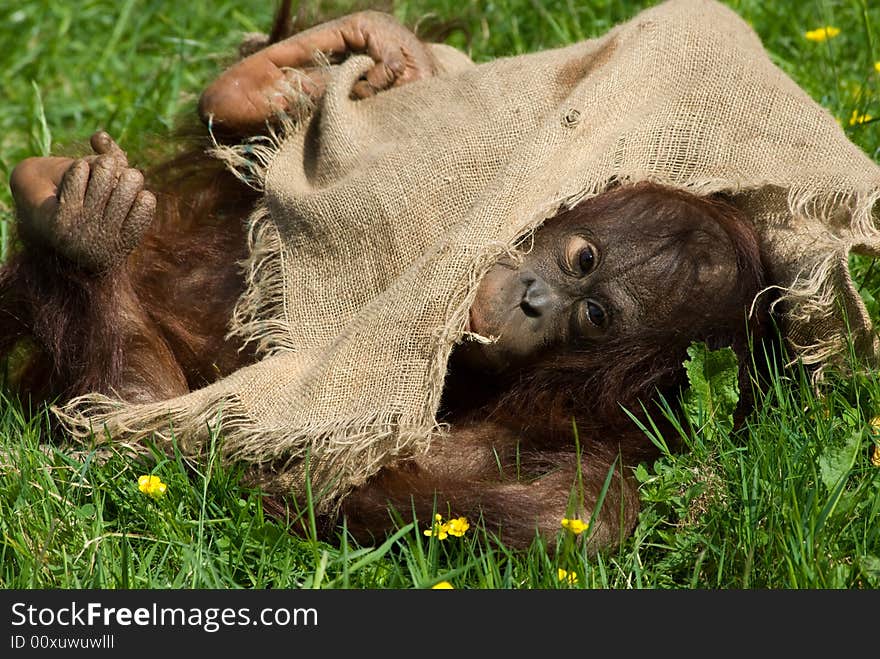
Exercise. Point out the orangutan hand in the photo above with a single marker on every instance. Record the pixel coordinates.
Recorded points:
(93, 211)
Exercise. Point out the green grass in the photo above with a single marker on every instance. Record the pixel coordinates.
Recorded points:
(788, 501)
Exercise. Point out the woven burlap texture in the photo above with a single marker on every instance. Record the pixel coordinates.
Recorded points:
(380, 216)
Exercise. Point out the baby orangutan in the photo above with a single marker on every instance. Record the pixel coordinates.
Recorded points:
(126, 285)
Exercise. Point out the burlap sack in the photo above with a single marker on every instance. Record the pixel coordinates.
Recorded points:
(380, 216)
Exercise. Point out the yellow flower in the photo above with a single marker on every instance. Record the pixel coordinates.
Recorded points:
(443, 585)
(443, 530)
(440, 530)
(877, 67)
(822, 33)
(576, 526)
(152, 486)
(857, 118)
(458, 526)
(569, 577)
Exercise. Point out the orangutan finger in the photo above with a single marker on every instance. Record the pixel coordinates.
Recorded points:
(105, 171)
(103, 144)
(137, 221)
(71, 196)
(381, 76)
(130, 183)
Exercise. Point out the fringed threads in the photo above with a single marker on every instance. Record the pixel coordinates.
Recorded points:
(260, 315)
(341, 455)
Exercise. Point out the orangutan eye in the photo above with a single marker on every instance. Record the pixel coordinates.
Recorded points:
(586, 259)
(580, 256)
(595, 314)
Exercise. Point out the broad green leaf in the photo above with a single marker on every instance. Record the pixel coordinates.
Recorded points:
(713, 394)
(836, 461)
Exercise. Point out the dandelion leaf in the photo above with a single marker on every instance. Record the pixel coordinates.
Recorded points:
(713, 392)
(836, 462)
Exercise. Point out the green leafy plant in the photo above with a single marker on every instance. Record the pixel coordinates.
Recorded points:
(711, 398)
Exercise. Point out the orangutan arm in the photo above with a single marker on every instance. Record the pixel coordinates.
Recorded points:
(250, 92)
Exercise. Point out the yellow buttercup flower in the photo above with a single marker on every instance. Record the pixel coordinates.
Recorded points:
(576, 526)
(438, 529)
(443, 585)
(877, 67)
(569, 577)
(857, 118)
(822, 33)
(152, 486)
(457, 526)
(442, 530)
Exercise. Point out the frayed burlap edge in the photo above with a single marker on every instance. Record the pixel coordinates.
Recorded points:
(336, 457)
(823, 318)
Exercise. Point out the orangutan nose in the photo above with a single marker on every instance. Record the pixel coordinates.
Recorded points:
(537, 298)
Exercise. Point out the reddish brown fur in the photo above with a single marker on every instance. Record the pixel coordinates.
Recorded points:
(513, 479)
(188, 273)
(144, 331)
(156, 328)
